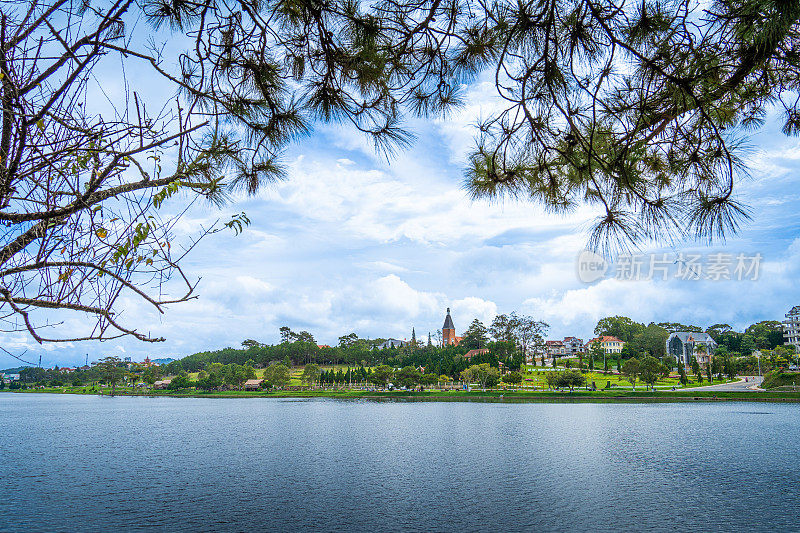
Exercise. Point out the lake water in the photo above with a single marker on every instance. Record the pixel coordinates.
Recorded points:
(114, 464)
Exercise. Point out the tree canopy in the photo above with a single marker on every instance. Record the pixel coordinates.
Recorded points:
(642, 109)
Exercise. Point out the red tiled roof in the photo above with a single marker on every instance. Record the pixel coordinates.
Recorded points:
(604, 338)
(472, 353)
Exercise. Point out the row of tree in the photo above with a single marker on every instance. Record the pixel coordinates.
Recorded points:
(508, 339)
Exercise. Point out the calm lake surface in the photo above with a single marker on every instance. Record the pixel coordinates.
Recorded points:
(113, 464)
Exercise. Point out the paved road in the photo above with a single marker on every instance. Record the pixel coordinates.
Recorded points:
(738, 386)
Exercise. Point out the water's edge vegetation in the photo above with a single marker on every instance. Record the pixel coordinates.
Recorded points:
(457, 396)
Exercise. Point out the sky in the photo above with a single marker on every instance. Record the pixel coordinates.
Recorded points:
(353, 242)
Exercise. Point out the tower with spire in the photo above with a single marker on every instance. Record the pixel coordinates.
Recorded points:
(449, 331)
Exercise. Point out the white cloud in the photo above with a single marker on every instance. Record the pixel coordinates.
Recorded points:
(351, 242)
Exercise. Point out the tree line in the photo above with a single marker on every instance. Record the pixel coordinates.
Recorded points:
(508, 338)
(651, 338)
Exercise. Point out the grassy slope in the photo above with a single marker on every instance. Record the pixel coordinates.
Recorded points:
(781, 379)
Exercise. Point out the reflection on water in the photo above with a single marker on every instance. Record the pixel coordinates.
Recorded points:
(111, 464)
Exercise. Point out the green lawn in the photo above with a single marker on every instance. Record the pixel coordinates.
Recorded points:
(537, 375)
(294, 378)
(533, 377)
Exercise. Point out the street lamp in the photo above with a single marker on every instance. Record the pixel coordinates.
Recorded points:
(758, 357)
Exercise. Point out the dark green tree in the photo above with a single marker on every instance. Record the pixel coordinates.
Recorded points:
(729, 367)
(652, 339)
(211, 381)
(717, 330)
(428, 380)
(672, 327)
(278, 375)
(475, 336)
(631, 370)
(766, 335)
(408, 377)
(310, 374)
(569, 378)
(621, 327)
(682, 375)
(180, 382)
(513, 378)
(596, 351)
(110, 370)
(695, 366)
(650, 369)
(504, 328)
(381, 375)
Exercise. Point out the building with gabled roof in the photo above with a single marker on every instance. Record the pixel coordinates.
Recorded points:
(391, 343)
(478, 351)
(253, 384)
(555, 349)
(162, 384)
(609, 344)
(573, 346)
(683, 345)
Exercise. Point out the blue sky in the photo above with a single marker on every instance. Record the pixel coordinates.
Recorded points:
(351, 242)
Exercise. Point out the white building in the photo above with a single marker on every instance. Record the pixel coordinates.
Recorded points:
(555, 349)
(573, 346)
(791, 328)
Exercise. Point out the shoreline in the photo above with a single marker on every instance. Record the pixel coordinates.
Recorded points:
(479, 397)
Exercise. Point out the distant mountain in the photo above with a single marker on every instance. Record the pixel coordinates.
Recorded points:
(12, 370)
(163, 361)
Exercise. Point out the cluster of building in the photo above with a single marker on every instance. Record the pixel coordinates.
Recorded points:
(683, 345)
(552, 349)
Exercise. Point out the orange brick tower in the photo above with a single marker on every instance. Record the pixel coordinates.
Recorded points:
(448, 331)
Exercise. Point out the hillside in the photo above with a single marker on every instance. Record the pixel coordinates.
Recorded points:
(780, 379)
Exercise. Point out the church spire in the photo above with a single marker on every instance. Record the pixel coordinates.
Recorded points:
(448, 330)
(448, 321)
